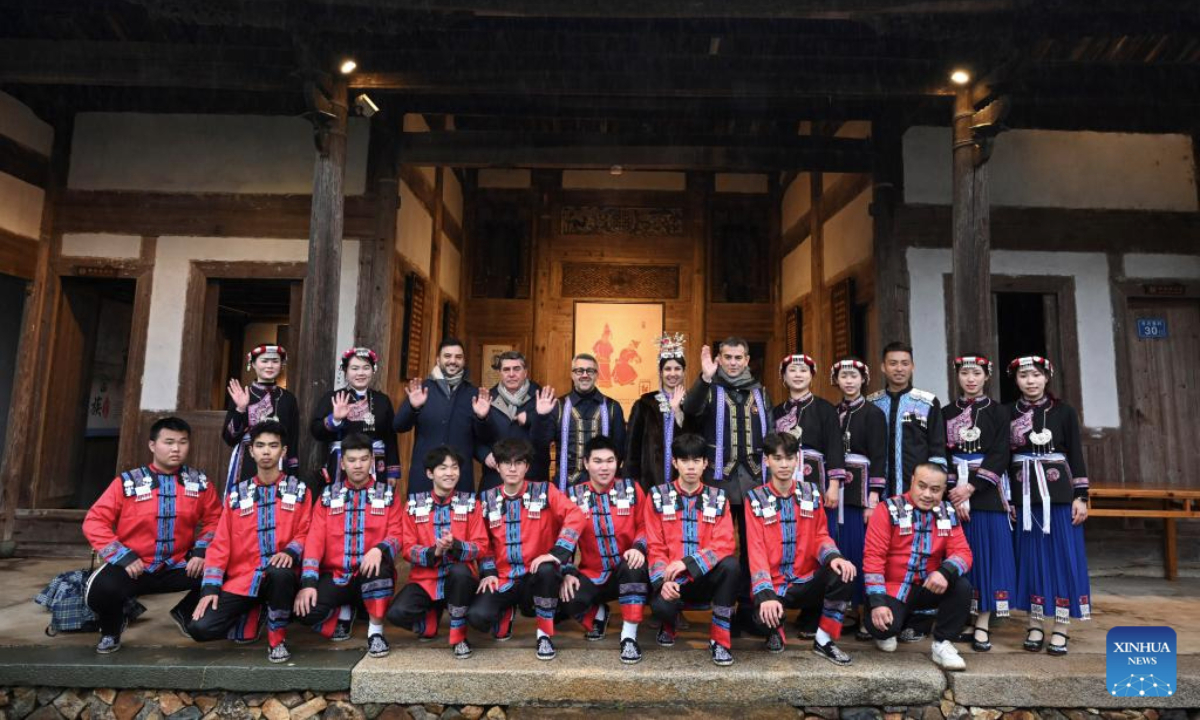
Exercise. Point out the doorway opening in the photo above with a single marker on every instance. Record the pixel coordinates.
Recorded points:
(1020, 331)
(12, 308)
(248, 312)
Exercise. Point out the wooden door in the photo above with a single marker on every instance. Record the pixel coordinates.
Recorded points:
(1165, 391)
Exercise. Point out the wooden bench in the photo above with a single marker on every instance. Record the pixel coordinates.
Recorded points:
(1165, 503)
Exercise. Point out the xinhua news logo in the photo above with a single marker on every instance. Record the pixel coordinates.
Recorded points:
(1141, 661)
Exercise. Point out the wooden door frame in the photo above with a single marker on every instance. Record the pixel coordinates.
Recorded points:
(1062, 287)
(1123, 291)
(192, 393)
(141, 271)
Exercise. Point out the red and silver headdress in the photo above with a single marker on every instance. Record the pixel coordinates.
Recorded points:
(797, 358)
(360, 352)
(849, 364)
(1031, 361)
(977, 361)
(268, 351)
(670, 346)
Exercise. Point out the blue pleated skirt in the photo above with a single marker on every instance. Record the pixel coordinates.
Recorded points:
(1052, 573)
(993, 573)
(851, 539)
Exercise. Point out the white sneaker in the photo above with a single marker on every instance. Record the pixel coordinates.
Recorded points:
(888, 645)
(946, 656)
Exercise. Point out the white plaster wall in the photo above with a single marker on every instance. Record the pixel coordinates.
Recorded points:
(516, 179)
(414, 229)
(1050, 168)
(630, 180)
(1094, 325)
(1138, 265)
(449, 268)
(19, 123)
(204, 153)
(452, 195)
(849, 236)
(164, 341)
(797, 199)
(102, 245)
(21, 207)
(755, 183)
(796, 274)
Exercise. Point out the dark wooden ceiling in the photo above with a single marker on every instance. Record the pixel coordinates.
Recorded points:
(644, 71)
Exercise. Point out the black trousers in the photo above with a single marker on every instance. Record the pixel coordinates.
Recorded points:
(534, 595)
(411, 608)
(110, 587)
(719, 587)
(953, 609)
(375, 592)
(826, 586)
(626, 584)
(277, 589)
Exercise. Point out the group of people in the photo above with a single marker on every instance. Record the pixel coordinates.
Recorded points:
(886, 515)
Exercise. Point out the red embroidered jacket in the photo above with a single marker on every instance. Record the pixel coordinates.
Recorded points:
(538, 521)
(695, 528)
(346, 523)
(787, 538)
(258, 521)
(615, 523)
(153, 517)
(905, 544)
(428, 517)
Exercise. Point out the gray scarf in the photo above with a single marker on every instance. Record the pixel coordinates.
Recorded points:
(510, 403)
(448, 383)
(743, 381)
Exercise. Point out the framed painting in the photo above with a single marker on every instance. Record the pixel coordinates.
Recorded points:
(622, 337)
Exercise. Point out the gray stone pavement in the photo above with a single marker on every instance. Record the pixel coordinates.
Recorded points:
(590, 673)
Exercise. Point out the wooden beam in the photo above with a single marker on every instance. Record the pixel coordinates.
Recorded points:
(488, 149)
(817, 295)
(319, 321)
(891, 265)
(971, 305)
(23, 163)
(18, 255)
(203, 214)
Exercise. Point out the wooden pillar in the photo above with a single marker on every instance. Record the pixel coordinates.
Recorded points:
(25, 410)
(699, 195)
(377, 254)
(891, 268)
(971, 300)
(318, 324)
(433, 298)
(818, 303)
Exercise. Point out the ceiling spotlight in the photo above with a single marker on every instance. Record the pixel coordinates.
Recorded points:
(366, 106)
(348, 66)
(616, 170)
(960, 77)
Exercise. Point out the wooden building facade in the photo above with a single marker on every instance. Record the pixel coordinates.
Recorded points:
(179, 183)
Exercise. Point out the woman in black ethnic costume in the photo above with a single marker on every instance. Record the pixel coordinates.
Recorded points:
(978, 453)
(1050, 489)
(864, 443)
(656, 419)
(357, 408)
(260, 401)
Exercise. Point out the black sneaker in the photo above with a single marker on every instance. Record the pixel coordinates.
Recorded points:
(720, 654)
(279, 653)
(598, 627)
(545, 648)
(862, 635)
(180, 622)
(462, 650)
(831, 652)
(911, 636)
(108, 644)
(665, 637)
(631, 652)
(377, 646)
(342, 630)
(774, 642)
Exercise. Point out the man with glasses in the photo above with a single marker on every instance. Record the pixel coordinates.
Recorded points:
(583, 414)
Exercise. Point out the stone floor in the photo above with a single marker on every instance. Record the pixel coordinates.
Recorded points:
(509, 674)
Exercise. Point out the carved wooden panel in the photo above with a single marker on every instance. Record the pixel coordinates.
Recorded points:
(793, 322)
(740, 267)
(609, 280)
(414, 326)
(634, 221)
(841, 310)
(449, 319)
